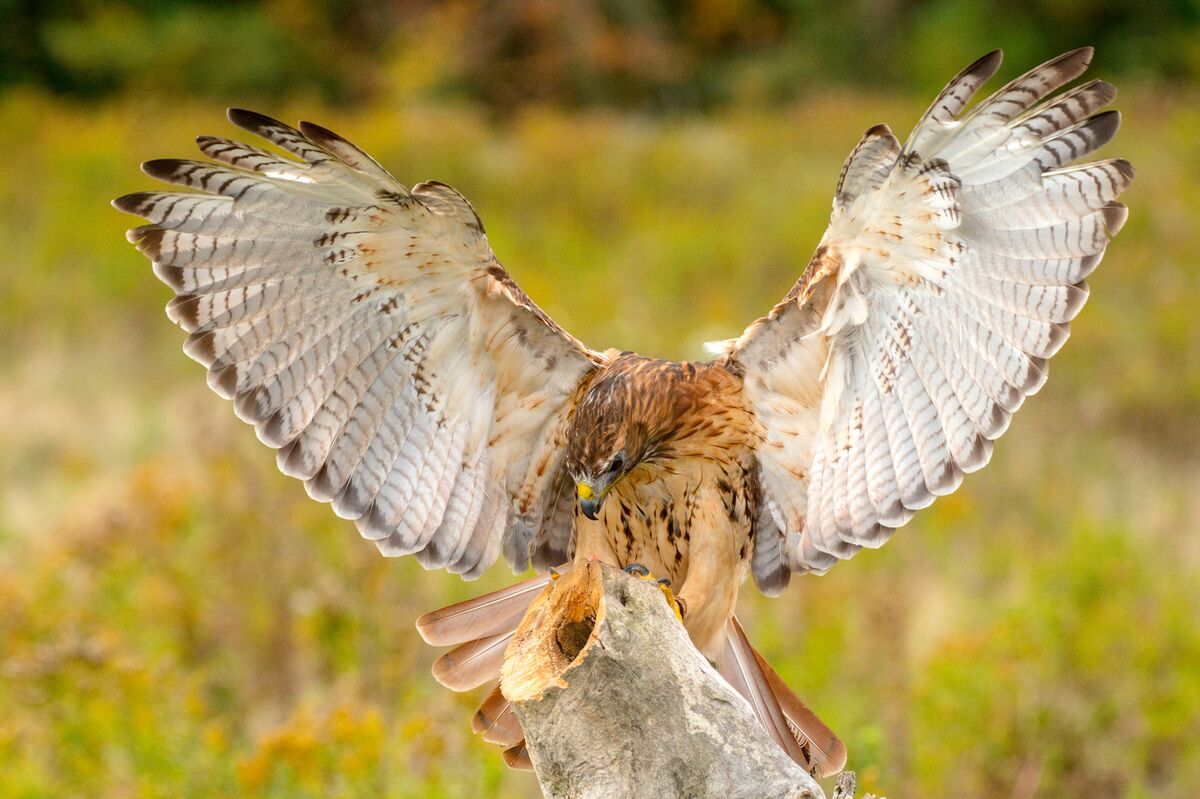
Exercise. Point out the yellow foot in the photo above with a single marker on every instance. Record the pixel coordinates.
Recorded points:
(677, 604)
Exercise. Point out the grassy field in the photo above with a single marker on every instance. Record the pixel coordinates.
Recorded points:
(179, 620)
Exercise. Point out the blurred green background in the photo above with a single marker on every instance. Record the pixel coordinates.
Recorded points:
(176, 619)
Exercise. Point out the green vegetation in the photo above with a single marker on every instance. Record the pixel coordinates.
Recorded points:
(660, 55)
(180, 620)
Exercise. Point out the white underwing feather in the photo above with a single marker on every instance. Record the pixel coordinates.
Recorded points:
(940, 289)
(369, 335)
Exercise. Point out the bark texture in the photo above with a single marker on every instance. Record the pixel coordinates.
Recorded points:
(616, 702)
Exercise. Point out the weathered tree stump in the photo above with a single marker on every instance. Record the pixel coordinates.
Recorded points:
(616, 702)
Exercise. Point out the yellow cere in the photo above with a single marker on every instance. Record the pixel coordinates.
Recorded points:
(585, 490)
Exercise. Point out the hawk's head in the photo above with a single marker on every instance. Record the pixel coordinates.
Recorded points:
(626, 419)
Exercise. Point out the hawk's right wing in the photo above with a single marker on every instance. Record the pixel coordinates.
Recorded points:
(370, 335)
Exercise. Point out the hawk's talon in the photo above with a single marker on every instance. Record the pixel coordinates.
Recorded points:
(637, 570)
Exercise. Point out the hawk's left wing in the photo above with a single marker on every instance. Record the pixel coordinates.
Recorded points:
(369, 334)
(948, 275)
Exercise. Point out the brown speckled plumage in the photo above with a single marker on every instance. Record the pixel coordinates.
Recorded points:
(687, 504)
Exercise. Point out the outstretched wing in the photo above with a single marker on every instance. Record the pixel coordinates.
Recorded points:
(948, 275)
(368, 333)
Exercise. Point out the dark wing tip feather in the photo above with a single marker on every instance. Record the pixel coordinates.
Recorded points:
(149, 240)
(1077, 60)
(1104, 90)
(1104, 126)
(171, 275)
(183, 310)
(879, 130)
(957, 93)
(321, 135)
(224, 379)
(132, 203)
(164, 168)
(345, 150)
(1115, 216)
(985, 66)
(254, 122)
(1125, 169)
(201, 347)
(135, 234)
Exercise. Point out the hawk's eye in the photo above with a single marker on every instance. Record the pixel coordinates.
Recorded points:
(617, 466)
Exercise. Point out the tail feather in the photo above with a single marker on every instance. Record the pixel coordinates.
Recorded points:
(482, 616)
(805, 738)
(742, 670)
(474, 663)
(517, 757)
(480, 629)
(826, 750)
(496, 720)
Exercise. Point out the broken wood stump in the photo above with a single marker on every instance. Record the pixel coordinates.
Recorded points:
(616, 702)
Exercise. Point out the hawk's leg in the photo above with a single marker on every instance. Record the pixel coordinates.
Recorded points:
(677, 604)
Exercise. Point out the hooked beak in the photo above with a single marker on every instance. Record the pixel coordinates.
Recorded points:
(590, 497)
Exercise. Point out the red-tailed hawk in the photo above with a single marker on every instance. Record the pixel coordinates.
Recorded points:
(369, 334)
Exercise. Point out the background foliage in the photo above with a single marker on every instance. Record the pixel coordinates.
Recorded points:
(179, 620)
(650, 54)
